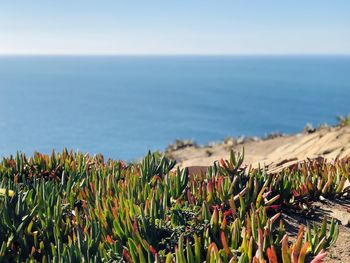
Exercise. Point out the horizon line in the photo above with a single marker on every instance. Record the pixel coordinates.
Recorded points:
(167, 55)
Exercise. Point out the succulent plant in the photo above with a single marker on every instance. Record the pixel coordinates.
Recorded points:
(73, 207)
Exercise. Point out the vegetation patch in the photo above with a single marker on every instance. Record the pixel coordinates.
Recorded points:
(72, 207)
(344, 121)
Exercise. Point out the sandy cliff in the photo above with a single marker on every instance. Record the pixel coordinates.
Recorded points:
(281, 151)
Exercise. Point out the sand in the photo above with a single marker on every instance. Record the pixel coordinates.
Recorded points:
(330, 143)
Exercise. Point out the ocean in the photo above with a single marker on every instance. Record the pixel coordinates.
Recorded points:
(122, 106)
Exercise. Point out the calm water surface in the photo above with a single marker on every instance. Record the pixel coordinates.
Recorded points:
(123, 106)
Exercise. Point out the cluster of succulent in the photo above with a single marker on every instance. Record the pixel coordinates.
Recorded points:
(344, 121)
(72, 207)
(180, 144)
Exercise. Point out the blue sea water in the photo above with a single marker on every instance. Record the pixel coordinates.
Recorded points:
(122, 106)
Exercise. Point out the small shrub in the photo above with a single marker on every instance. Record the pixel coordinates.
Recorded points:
(344, 121)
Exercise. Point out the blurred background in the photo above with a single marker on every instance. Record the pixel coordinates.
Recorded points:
(121, 78)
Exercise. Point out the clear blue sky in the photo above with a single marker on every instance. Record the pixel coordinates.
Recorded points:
(175, 27)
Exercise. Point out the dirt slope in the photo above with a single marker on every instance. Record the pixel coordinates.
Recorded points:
(281, 151)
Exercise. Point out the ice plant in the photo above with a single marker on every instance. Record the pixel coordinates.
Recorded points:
(73, 207)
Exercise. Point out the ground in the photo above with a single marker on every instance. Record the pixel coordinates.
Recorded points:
(329, 142)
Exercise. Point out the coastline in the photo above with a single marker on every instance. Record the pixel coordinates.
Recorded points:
(274, 153)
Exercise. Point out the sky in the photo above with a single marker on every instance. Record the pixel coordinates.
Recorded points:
(172, 27)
